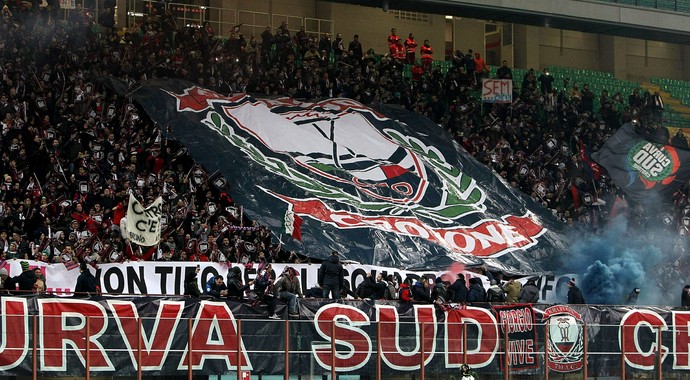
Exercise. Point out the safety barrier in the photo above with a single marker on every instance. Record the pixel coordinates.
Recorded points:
(163, 336)
(665, 5)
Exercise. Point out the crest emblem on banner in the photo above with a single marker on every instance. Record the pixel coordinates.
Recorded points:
(383, 177)
(392, 181)
(566, 339)
(654, 163)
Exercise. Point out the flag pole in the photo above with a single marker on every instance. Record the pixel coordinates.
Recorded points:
(131, 249)
(50, 245)
(40, 188)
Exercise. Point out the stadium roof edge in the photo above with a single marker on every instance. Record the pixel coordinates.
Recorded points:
(586, 16)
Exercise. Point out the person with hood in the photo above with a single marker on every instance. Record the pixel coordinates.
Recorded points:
(476, 293)
(495, 292)
(365, 289)
(86, 282)
(331, 276)
(289, 290)
(512, 289)
(191, 285)
(236, 288)
(215, 287)
(631, 299)
(575, 296)
(439, 293)
(391, 287)
(458, 290)
(404, 293)
(529, 292)
(420, 292)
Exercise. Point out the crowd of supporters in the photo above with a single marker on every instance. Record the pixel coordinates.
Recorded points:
(73, 150)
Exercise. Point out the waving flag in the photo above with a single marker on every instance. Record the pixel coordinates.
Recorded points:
(645, 170)
(384, 187)
(143, 223)
(292, 225)
(71, 265)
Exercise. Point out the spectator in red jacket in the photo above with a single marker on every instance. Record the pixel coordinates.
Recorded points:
(410, 49)
(393, 40)
(404, 293)
(427, 55)
(399, 52)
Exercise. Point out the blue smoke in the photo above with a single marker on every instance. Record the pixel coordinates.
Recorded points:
(614, 262)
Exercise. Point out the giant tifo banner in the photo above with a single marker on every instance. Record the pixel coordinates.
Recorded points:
(165, 336)
(384, 187)
(644, 170)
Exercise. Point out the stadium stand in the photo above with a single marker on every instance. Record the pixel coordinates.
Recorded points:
(73, 150)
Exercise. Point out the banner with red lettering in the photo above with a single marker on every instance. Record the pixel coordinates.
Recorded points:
(497, 90)
(163, 336)
(386, 178)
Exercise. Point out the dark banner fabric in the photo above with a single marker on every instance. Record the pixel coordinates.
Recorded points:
(645, 170)
(163, 336)
(384, 187)
(518, 325)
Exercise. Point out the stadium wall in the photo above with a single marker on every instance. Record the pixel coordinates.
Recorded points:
(373, 26)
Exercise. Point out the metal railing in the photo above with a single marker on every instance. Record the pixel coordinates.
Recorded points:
(407, 355)
(664, 5)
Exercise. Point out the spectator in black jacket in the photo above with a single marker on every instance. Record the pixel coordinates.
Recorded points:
(267, 41)
(236, 288)
(355, 49)
(420, 292)
(24, 282)
(529, 292)
(191, 287)
(476, 293)
(331, 276)
(439, 293)
(86, 282)
(264, 287)
(365, 288)
(458, 291)
(575, 296)
(378, 288)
